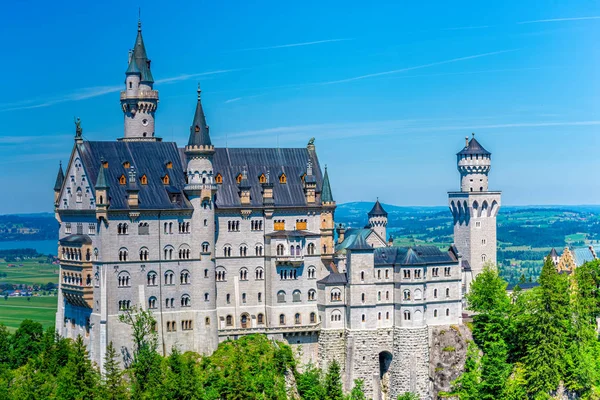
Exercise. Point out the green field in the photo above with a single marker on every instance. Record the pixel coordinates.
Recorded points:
(29, 272)
(40, 309)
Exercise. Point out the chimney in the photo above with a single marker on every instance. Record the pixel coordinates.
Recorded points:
(341, 232)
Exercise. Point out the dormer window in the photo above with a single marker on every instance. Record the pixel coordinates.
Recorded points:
(239, 178)
(166, 180)
(197, 129)
(122, 180)
(169, 165)
(219, 178)
(105, 164)
(262, 178)
(282, 179)
(144, 180)
(126, 165)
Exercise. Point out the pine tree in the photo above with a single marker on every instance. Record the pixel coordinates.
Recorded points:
(309, 384)
(114, 385)
(78, 379)
(357, 392)
(546, 332)
(466, 387)
(333, 382)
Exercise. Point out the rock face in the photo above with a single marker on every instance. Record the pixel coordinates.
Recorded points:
(448, 351)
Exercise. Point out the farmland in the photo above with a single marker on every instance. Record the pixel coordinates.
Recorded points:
(13, 310)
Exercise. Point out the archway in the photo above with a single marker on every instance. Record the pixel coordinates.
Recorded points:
(385, 360)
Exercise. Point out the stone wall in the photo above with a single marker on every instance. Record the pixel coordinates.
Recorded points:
(448, 351)
(409, 371)
(332, 346)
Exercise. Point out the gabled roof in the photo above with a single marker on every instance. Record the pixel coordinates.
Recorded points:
(148, 158)
(199, 130)
(377, 210)
(60, 178)
(414, 255)
(334, 278)
(473, 148)
(230, 162)
(326, 195)
(583, 255)
(141, 58)
(359, 243)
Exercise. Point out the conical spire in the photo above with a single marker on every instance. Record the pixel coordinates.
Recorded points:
(199, 130)
(60, 178)
(132, 68)
(377, 210)
(326, 195)
(140, 57)
(101, 182)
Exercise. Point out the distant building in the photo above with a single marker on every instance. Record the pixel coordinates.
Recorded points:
(572, 258)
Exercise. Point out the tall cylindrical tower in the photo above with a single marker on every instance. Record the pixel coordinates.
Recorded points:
(378, 219)
(474, 164)
(201, 190)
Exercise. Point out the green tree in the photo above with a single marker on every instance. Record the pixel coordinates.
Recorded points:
(309, 384)
(408, 396)
(357, 392)
(333, 382)
(466, 387)
(181, 380)
(78, 379)
(113, 383)
(546, 332)
(26, 342)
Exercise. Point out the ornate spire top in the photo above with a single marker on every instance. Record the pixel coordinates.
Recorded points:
(78, 129)
(326, 195)
(139, 19)
(199, 135)
(101, 182)
(60, 177)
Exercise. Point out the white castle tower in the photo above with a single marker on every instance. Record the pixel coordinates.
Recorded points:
(474, 209)
(378, 219)
(201, 190)
(139, 101)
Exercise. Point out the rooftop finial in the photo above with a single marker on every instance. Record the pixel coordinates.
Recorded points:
(473, 134)
(139, 19)
(78, 130)
(199, 91)
(466, 141)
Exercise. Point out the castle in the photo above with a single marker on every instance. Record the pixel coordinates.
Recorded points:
(224, 242)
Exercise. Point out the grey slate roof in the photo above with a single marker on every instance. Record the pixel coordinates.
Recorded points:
(231, 162)
(350, 236)
(148, 158)
(326, 195)
(553, 253)
(583, 255)
(199, 130)
(101, 182)
(415, 255)
(473, 148)
(132, 68)
(334, 278)
(141, 58)
(76, 239)
(466, 266)
(60, 178)
(377, 210)
(359, 244)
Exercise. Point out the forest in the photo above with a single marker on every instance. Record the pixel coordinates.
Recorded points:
(38, 364)
(536, 344)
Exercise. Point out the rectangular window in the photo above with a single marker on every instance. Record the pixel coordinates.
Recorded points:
(79, 228)
(91, 229)
(279, 225)
(301, 225)
(67, 227)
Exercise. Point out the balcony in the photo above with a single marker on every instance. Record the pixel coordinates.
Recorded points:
(289, 260)
(78, 295)
(143, 94)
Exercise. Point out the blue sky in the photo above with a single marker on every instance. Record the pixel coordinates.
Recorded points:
(389, 90)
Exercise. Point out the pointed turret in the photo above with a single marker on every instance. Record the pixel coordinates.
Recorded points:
(102, 199)
(141, 58)
(60, 178)
(132, 69)
(199, 136)
(378, 220)
(101, 182)
(377, 210)
(326, 195)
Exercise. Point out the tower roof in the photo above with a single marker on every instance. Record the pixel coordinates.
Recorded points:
(553, 253)
(199, 130)
(326, 195)
(377, 210)
(140, 57)
(473, 147)
(60, 178)
(101, 182)
(132, 68)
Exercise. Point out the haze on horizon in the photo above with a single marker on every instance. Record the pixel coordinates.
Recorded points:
(389, 91)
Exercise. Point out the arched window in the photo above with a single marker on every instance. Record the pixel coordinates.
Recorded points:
(144, 180)
(207, 321)
(124, 279)
(184, 277)
(166, 180)
(364, 317)
(79, 195)
(362, 297)
(243, 251)
(296, 296)
(258, 250)
(243, 274)
(122, 180)
(435, 293)
(407, 315)
(447, 292)
(221, 274)
(123, 254)
(219, 178)
(143, 228)
(144, 254)
(259, 273)
(205, 247)
(406, 294)
(483, 258)
(280, 250)
(229, 320)
(297, 319)
(168, 252)
(262, 178)
(185, 301)
(310, 249)
(152, 302)
(362, 275)
(184, 252)
(169, 277)
(312, 272)
(260, 319)
(282, 179)
(245, 320)
(281, 296)
(151, 278)
(281, 319)
(447, 312)
(227, 251)
(336, 295)
(312, 295)
(313, 318)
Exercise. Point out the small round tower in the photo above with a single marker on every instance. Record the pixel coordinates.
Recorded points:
(378, 219)
(474, 164)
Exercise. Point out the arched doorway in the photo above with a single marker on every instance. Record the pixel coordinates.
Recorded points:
(245, 321)
(385, 360)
